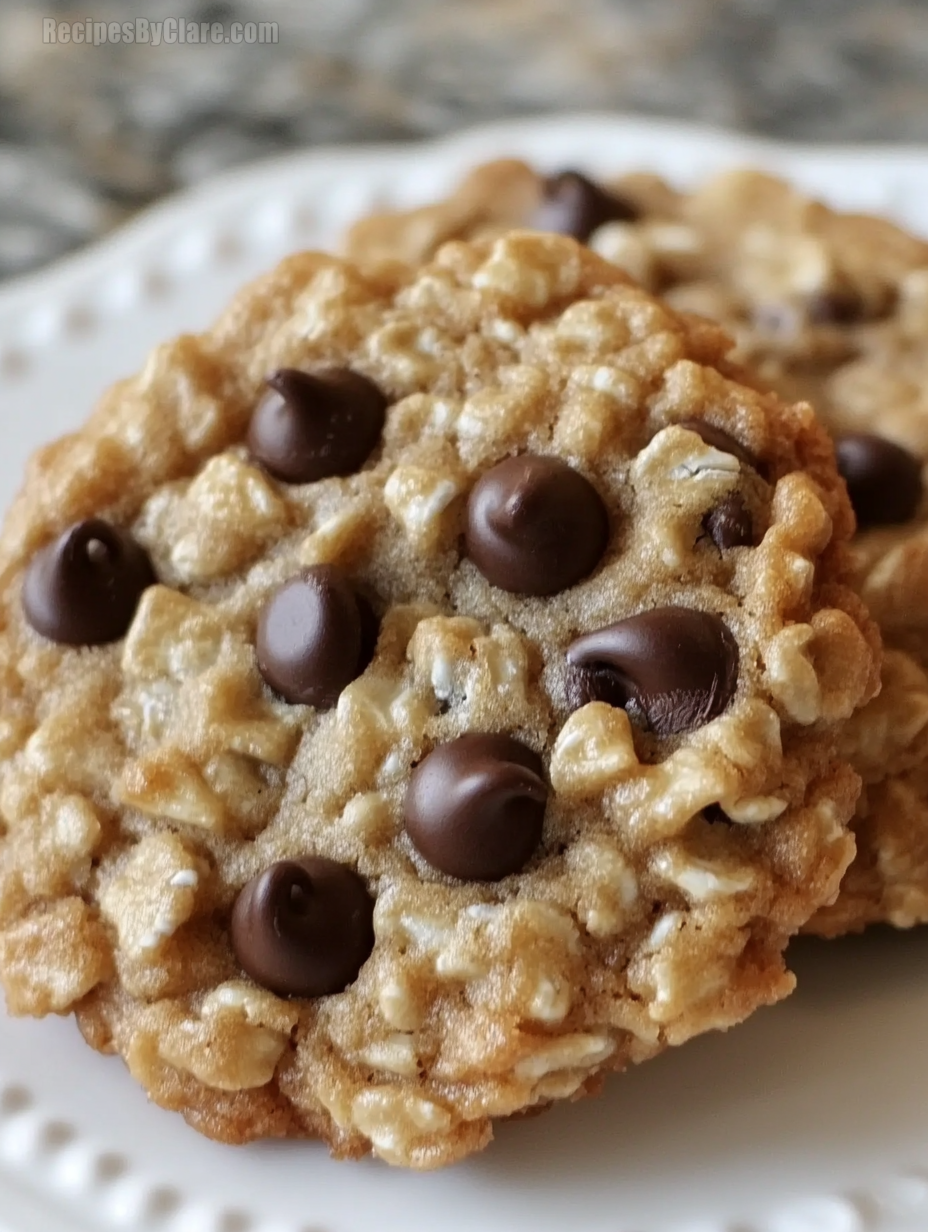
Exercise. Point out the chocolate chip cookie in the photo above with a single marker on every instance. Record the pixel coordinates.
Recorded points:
(825, 306)
(420, 699)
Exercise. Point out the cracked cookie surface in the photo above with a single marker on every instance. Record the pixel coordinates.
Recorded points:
(415, 774)
(828, 306)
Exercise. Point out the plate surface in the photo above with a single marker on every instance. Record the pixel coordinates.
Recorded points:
(811, 1118)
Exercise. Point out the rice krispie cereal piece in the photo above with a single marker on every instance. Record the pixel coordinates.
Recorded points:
(827, 306)
(420, 698)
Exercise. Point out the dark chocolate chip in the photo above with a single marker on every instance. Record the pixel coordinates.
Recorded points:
(729, 523)
(672, 668)
(312, 425)
(315, 635)
(535, 526)
(592, 683)
(719, 439)
(304, 928)
(84, 589)
(475, 807)
(573, 205)
(840, 306)
(884, 481)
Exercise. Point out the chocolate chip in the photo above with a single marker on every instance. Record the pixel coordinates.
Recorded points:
(84, 589)
(573, 205)
(672, 668)
(304, 928)
(475, 807)
(535, 526)
(729, 523)
(719, 439)
(315, 635)
(593, 683)
(884, 481)
(312, 425)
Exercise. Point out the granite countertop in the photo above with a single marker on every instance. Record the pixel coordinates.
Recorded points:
(89, 134)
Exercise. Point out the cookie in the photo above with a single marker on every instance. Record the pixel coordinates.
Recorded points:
(825, 306)
(396, 734)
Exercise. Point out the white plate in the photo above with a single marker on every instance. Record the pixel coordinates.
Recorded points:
(811, 1118)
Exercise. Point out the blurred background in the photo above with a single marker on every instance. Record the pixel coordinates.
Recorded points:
(91, 134)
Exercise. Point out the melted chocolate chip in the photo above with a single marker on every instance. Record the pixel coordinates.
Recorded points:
(315, 635)
(884, 481)
(535, 526)
(312, 425)
(304, 928)
(573, 205)
(475, 807)
(729, 523)
(719, 439)
(672, 668)
(84, 589)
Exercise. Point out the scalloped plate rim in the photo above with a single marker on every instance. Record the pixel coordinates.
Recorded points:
(507, 135)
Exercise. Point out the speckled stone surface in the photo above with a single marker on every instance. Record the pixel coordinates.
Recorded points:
(90, 134)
